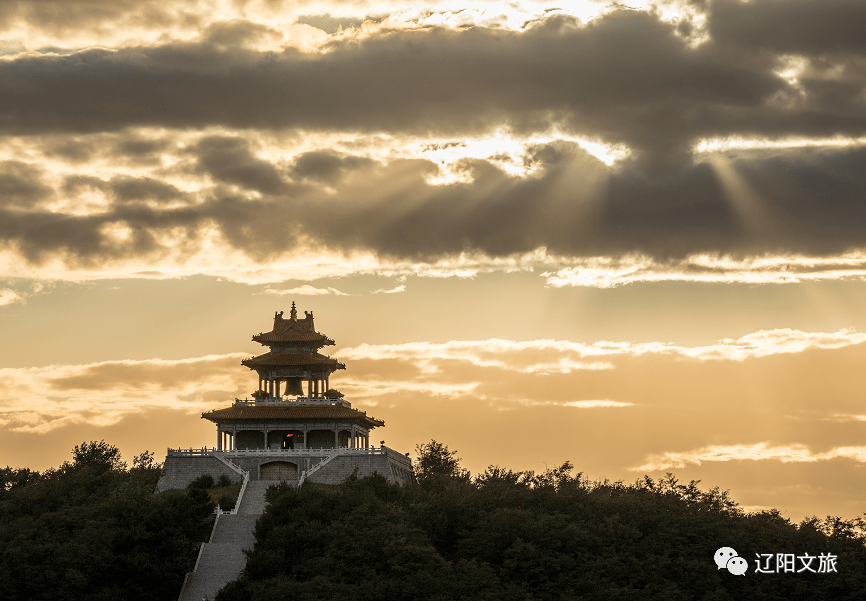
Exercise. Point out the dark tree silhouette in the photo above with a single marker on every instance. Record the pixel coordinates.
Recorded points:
(513, 536)
(94, 530)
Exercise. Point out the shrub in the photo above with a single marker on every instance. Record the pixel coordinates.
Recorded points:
(204, 481)
(226, 502)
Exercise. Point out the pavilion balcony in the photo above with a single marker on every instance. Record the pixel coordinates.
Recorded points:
(301, 400)
(205, 451)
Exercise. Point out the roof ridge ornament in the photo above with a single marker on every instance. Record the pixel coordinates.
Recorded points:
(294, 312)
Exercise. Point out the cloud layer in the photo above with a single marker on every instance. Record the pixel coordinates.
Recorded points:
(104, 393)
(746, 406)
(237, 143)
(499, 372)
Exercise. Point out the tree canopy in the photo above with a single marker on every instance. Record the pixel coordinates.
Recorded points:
(94, 530)
(506, 535)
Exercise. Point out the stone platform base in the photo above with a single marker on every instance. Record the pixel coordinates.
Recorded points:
(324, 466)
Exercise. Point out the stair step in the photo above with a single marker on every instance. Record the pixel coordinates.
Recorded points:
(223, 560)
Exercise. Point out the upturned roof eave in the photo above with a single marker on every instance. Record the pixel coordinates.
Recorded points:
(362, 418)
(305, 360)
(271, 337)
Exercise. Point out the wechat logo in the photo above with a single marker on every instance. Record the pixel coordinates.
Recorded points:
(726, 557)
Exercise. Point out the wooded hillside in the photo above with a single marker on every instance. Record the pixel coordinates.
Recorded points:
(515, 536)
(93, 530)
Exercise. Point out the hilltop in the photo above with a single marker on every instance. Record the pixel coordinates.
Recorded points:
(507, 535)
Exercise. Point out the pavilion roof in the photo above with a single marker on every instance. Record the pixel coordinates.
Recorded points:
(286, 358)
(291, 412)
(293, 330)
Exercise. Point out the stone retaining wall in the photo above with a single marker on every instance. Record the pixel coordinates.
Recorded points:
(341, 467)
(178, 472)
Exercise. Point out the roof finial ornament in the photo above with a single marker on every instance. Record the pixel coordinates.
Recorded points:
(294, 312)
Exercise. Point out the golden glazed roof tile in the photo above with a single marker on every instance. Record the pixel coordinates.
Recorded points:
(291, 412)
(293, 330)
(299, 358)
(293, 335)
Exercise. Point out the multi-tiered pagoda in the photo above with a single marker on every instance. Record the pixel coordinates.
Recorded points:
(293, 358)
(281, 433)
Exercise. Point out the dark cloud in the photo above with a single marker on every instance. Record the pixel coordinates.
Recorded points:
(39, 236)
(83, 241)
(73, 185)
(790, 26)
(63, 17)
(131, 189)
(626, 77)
(230, 160)
(326, 167)
(71, 149)
(139, 148)
(794, 201)
(21, 184)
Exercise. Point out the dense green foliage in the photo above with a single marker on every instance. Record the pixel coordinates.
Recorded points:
(223, 492)
(94, 530)
(516, 535)
(204, 481)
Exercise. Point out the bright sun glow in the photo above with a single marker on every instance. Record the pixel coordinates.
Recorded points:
(709, 145)
(507, 152)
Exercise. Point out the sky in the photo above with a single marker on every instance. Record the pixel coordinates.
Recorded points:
(631, 236)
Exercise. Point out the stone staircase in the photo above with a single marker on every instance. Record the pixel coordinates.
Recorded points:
(222, 559)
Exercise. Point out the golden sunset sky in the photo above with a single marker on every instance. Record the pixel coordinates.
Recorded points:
(630, 236)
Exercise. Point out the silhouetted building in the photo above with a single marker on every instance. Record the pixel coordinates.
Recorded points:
(282, 433)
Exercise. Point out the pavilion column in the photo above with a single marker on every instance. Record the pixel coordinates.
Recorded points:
(327, 383)
(219, 440)
(265, 428)
(337, 438)
(234, 431)
(310, 386)
(277, 383)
